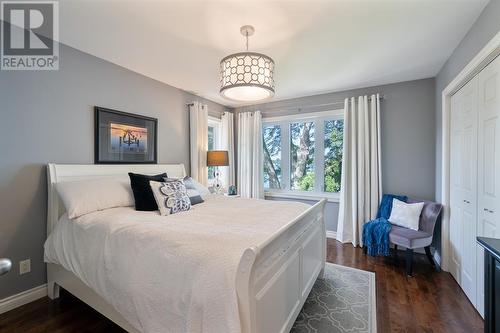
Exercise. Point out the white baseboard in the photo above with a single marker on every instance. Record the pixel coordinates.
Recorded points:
(25, 297)
(331, 234)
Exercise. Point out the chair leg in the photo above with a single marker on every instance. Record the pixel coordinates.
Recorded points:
(395, 252)
(429, 255)
(409, 262)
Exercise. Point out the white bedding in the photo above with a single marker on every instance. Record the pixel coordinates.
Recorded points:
(171, 273)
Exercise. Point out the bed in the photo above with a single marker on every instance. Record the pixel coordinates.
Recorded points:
(253, 272)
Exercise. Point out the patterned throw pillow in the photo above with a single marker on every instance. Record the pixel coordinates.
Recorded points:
(171, 196)
(194, 189)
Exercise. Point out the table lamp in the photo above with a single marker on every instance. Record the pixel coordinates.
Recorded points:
(217, 158)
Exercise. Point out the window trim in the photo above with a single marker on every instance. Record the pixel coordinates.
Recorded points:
(284, 122)
(303, 195)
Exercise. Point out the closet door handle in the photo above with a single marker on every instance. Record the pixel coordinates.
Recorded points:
(485, 209)
(491, 211)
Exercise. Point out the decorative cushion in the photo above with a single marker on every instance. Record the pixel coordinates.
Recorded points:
(194, 197)
(144, 199)
(194, 185)
(192, 189)
(385, 207)
(406, 215)
(87, 196)
(171, 196)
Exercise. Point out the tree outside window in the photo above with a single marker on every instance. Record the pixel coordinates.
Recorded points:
(302, 156)
(272, 156)
(334, 138)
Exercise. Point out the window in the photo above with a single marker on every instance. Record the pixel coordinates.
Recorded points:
(334, 138)
(214, 143)
(303, 154)
(272, 156)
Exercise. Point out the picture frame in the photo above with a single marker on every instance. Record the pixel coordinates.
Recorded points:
(124, 138)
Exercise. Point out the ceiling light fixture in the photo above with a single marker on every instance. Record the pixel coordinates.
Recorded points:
(247, 76)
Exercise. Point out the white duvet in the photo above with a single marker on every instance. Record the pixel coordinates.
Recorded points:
(171, 273)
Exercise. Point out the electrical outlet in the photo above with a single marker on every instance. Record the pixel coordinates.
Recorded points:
(24, 266)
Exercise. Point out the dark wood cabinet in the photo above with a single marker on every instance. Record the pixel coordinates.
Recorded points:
(491, 283)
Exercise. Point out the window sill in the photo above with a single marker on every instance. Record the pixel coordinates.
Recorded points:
(330, 197)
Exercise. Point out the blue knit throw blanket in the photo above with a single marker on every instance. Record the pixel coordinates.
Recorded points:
(376, 237)
(376, 232)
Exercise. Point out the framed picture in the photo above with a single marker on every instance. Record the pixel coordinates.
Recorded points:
(121, 137)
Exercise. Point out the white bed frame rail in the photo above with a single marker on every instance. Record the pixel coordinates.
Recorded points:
(273, 280)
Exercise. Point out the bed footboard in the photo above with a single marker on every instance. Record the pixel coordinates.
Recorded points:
(274, 279)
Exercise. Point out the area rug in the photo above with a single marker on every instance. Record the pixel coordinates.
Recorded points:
(342, 301)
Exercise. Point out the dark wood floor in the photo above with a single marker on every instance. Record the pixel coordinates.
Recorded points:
(427, 302)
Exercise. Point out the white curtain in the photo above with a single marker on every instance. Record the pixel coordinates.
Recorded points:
(227, 143)
(198, 127)
(250, 177)
(361, 186)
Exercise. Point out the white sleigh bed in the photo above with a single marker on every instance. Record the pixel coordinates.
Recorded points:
(273, 279)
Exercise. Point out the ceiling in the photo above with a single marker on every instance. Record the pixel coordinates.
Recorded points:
(318, 46)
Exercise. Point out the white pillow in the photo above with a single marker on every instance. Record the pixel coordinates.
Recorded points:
(87, 196)
(405, 214)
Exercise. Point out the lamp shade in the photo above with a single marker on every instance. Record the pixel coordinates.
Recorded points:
(247, 76)
(217, 158)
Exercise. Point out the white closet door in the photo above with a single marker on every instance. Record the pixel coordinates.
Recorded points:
(488, 166)
(469, 188)
(463, 194)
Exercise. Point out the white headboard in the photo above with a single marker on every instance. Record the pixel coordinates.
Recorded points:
(57, 173)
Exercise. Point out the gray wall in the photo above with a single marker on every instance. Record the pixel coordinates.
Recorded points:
(48, 117)
(484, 29)
(408, 134)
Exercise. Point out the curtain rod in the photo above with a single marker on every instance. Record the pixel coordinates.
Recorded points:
(381, 98)
(298, 107)
(191, 104)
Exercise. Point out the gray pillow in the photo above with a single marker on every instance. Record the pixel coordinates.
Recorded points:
(194, 185)
(194, 196)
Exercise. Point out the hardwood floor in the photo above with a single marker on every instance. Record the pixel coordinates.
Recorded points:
(427, 302)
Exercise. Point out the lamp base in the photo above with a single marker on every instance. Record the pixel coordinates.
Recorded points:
(217, 185)
(5, 266)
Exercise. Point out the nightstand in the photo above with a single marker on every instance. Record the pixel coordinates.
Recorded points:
(232, 196)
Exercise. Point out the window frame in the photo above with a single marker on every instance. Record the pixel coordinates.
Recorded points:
(284, 122)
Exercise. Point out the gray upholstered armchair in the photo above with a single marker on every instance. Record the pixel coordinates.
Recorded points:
(413, 239)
